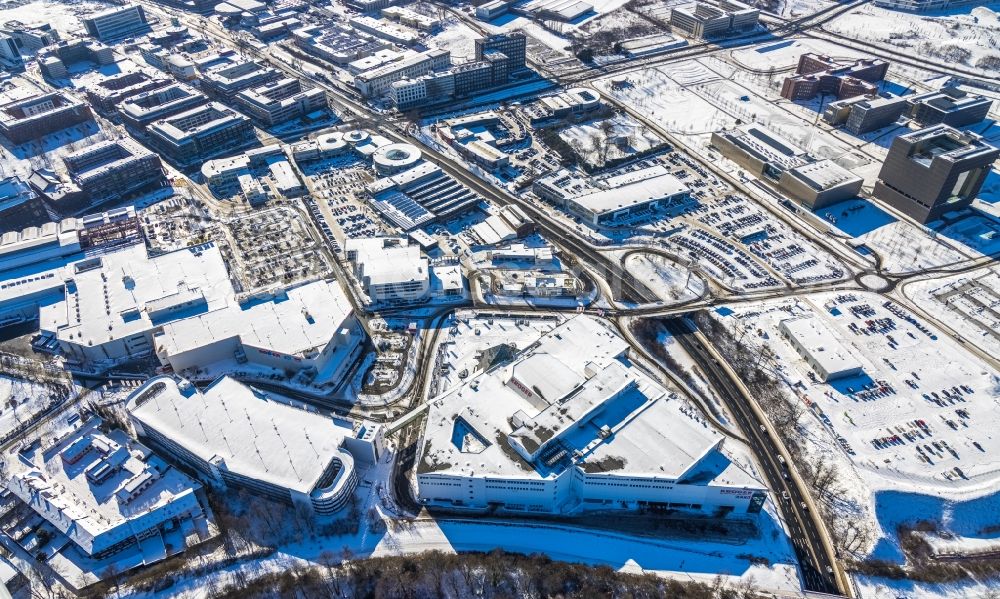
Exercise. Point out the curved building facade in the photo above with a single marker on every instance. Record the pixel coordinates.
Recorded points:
(235, 435)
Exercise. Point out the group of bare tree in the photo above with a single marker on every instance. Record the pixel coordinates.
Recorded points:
(485, 575)
(783, 408)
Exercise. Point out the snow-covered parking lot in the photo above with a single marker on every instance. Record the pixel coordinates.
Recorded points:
(918, 421)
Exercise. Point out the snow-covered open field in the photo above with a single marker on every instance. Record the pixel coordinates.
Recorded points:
(967, 35)
(904, 247)
(692, 99)
(64, 15)
(20, 400)
(670, 281)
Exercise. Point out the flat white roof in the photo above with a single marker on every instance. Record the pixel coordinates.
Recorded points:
(256, 434)
(821, 345)
(284, 176)
(110, 301)
(566, 388)
(766, 145)
(824, 174)
(632, 189)
(382, 265)
(85, 509)
(296, 322)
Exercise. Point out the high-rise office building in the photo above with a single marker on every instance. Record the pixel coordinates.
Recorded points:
(933, 171)
(512, 45)
(117, 23)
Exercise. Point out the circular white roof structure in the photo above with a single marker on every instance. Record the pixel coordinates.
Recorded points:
(396, 157)
(331, 142)
(356, 136)
(584, 97)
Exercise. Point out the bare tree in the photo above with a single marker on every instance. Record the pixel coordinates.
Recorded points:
(825, 475)
(45, 586)
(607, 128)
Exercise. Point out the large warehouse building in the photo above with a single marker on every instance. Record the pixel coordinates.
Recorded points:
(610, 199)
(569, 426)
(237, 436)
(817, 346)
(101, 310)
(310, 329)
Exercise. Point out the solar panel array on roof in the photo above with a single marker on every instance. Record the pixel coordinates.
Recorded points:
(402, 210)
(441, 195)
(419, 195)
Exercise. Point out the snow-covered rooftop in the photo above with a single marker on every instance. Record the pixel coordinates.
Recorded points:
(820, 344)
(383, 261)
(571, 398)
(127, 292)
(295, 322)
(823, 174)
(90, 485)
(254, 434)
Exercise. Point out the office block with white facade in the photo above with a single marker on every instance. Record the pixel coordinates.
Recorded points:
(376, 83)
(117, 23)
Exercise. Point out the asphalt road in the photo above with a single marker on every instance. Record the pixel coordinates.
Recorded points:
(817, 565)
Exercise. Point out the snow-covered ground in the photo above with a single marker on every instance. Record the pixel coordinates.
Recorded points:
(784, 54)
(510, 22)
(968, 303)
(456, 37)
(905, 248)
(22, 399)
(902, 247)
(594, 147)
(694, 98)
(798, 8)
(671, 282)
(670, 101)
(64, 15)
(964, 35)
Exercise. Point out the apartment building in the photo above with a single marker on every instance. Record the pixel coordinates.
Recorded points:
(37, 116)
(376, 83)
(280, 101)
(112, 170)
